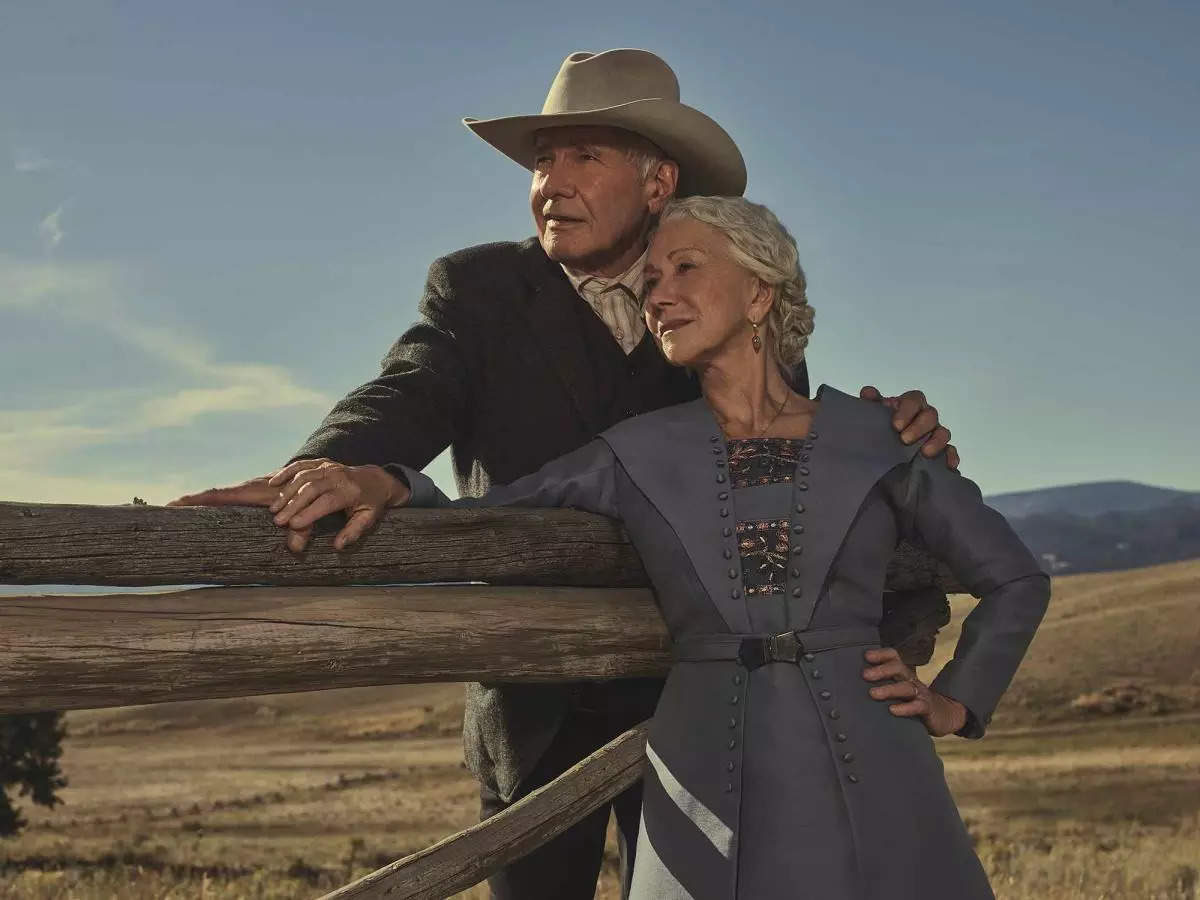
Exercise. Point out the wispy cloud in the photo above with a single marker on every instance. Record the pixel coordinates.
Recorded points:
(92, 294)
(27, 161)
(50, 230)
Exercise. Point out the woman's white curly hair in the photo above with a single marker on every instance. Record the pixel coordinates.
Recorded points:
(763, 246)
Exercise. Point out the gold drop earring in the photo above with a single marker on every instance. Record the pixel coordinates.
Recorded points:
(755, 341)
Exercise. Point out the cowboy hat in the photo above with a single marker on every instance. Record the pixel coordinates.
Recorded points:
(637, 91)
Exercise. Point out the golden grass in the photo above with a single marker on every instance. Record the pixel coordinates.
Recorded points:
(291, 796)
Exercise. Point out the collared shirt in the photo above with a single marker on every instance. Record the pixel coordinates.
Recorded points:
(617, 301)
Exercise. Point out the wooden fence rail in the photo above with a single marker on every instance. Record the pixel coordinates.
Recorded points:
(119, 650)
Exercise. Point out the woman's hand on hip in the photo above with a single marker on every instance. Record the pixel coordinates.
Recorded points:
(312, 488)
(941, 715)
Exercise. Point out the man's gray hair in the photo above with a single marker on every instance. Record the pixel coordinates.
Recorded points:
(763, 246)
(643, 153)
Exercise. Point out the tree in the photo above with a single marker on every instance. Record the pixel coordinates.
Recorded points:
(30, 745)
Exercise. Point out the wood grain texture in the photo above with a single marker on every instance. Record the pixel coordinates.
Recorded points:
(464, 859)
(43, 543)
(123, 649)
(149, 545)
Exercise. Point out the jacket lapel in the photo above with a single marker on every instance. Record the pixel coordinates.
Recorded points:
(677, 458)
(851, 446)
(551, 312)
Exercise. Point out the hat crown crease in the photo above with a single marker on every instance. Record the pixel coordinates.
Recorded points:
(610, 79)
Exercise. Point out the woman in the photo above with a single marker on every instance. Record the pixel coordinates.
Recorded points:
(765, 521)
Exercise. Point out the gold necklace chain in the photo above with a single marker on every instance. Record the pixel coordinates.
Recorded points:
(786, 397)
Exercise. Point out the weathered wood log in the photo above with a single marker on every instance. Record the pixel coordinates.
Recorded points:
(464, 859)
(147, 545)
(117, 650)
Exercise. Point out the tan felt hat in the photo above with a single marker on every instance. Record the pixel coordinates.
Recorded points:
(637, 91)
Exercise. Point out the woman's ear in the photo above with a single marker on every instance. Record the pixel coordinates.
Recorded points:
(761, 301)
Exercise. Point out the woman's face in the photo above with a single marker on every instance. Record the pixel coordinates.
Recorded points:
(697, 299)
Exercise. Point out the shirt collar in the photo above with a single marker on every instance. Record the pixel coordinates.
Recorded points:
(631, 278)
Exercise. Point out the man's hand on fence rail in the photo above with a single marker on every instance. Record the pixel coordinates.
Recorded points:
(304, 491)
(309, 489)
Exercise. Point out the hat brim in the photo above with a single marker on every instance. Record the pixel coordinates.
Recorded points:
(709, 160)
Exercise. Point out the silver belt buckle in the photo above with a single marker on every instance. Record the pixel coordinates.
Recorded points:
(785, 647)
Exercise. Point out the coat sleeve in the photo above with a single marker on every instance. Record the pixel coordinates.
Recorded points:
(583, 479)
(945, 512)
(422, 397)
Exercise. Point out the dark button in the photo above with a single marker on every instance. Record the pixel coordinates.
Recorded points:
(803, 471)
(733, 700)
(797, 529)
(729, 767)
(632, 371)
(720, 478)
(852, 778)
(720, 463)
(714, 438)
(847, 757)
(808, 445)
(797, 550)
(732, 722)
(737, 678)
(812, 435)
(816, 673)
(802, 486)
(724, 495)
(717, 451)
(727, 553)
(803, 457)
(797, 591)
(825, 695)
(732, 743)
(733, 573)
(808, 657)
(729, 788)
(835, 714)
(735, 593)
(839, 737)
(724, 512)
(726, 532)
(800, 506)
(795, 573)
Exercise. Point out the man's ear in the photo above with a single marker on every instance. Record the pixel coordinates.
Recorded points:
(661, 185)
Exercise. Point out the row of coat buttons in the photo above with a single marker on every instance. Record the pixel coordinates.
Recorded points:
(726, 532)
(731, 764)
(845, 756)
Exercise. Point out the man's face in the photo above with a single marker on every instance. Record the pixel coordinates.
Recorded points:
(590, 203)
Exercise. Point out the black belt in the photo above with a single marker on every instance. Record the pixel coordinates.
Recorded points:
(754, 650)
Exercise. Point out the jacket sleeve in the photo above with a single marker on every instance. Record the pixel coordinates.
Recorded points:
(945, 512)
(583, 479)
(422, 397)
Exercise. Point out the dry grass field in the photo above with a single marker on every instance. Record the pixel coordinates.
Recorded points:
(1088, 785)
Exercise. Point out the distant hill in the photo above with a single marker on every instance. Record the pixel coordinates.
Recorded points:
(1092, 499)
(1105, 525)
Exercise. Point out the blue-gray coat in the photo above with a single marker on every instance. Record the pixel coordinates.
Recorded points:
(786, 779)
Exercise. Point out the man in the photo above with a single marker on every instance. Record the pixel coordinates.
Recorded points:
(524, 352)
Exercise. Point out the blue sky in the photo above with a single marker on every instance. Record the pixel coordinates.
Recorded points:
(215, 218)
